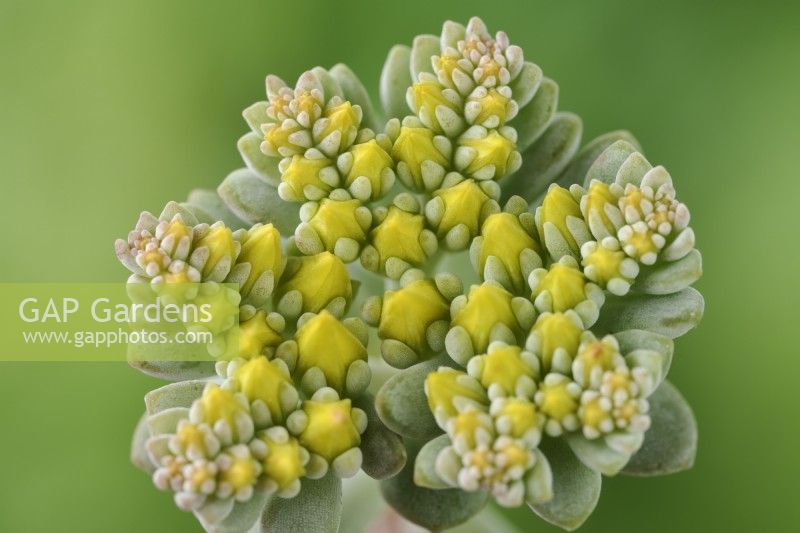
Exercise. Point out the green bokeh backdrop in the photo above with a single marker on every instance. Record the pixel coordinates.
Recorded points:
(108, 108)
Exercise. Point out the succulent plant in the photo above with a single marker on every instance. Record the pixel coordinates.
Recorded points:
(448, 293)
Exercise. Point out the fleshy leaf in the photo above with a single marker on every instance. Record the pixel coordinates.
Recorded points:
(670, 444)
(534, 118)
(425, 464)
(166, 421)
(577, 169)
(241, 517)
(355, 92)
(139, 455)
(526, 84)
(174, 208)
(429, 508)
(576, 488)
(175, 370)
(208, 203)
(264, 166)
(395, 80)
(402, 405)
(597, 455)
(423, 48)
(667, 278)
(180, 394)
(318, 508)
(254, 200)
(330, 85)
(383, 449)
(635, 339)
(607, 164)
(546, 159)
(255, 115)
(671, 315)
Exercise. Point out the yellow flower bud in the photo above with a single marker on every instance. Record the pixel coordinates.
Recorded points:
(558, 399)
(431, 102)
(516, 416)
(194, 440)
(505, 238)
(278, 140)
(398, 235)
(255, 335)
(502, 367)
(463, 204)
(594, 358)
(408, 312)
(262, 249)
(338, 126)
(324, 342)
(285, 460)
(331, 429)
(449, 391)
(335, 220)
(222, 405)
(413, 147)
(486, 155)
(465, 425)
(564, 283)
(557, 219)
(370, 160)
(490, 107)
(555, 333)
(240, 469)
(222, 251)
(486, 305)
(303, 175)
(319, 279)
(599, 209)
(262, 379)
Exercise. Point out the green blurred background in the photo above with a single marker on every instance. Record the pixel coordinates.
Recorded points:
(108, 108)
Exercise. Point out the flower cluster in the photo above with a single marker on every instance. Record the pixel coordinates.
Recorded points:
(496, 412)
(253, 434)
(527, 292)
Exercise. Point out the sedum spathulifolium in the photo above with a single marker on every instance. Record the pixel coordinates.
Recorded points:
(446, 291)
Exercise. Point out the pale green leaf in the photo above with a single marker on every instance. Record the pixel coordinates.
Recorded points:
(524, 87)
(546, 159)
(383, 449)
(242, 516)
(534, 118)
(577, 169)
(355, 93)
(597, 455)
(209, 203)
(180, 394)
(433, 509)
(254, 200)
(173, 370)
(266, 167)
(317, 508)
(425, 464)
(670, 444)
(636, 339)
(607, 164)
(139, 455)
(402, 405)
(671, 315)
(576, 488)
(667, 278)
(423, 49)
(395, 81)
